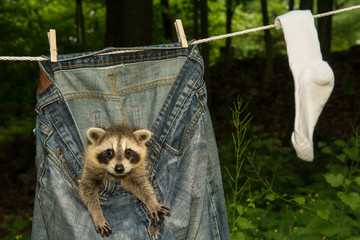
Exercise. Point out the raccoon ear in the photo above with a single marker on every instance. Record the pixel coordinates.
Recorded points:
(94, 134)
(142, 135)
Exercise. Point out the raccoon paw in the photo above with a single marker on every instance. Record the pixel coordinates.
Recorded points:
(158, 211)
(104, 229)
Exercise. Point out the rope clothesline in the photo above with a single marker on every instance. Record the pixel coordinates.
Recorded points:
(270, 26)
(20, 58)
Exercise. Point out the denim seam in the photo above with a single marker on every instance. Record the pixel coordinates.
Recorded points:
(118, 100)
(149, 83)
(114, 97)
(123, 61)
(212, 210)
(180, 107)
(49, 99)
(167, 97)
(201, 91)
(45, 128)
(192, 124)
(63, 138)
(66, 166)
(140, 85)
(58, 164)
(40, 180)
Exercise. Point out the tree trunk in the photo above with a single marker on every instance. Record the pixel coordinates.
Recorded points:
(229, 15)
(128, 23)
(291, 5)
(268, 47)
(205, 46)
(168, 21)
(79, 23)
(196, 18)
(324, 28)
(307, 4)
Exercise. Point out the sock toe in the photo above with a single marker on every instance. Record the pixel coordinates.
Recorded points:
(303, 147)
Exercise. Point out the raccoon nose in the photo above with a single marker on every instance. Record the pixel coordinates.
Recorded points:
(119, 168)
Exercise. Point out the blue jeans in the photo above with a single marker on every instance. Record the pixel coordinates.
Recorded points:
(159, 88)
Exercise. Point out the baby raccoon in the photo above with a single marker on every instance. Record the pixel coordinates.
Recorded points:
(117, 153)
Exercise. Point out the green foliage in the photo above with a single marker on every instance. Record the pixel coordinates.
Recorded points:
(274, 195)
(16, 228)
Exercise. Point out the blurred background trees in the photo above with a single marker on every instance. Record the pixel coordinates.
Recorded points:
(253, 66)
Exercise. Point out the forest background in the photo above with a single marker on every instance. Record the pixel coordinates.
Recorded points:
(271, 194)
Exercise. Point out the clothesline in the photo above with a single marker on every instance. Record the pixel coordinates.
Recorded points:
(270, 26)
(21, 58)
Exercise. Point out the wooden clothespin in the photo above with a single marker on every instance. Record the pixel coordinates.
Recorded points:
(52, 41)
(180, 33)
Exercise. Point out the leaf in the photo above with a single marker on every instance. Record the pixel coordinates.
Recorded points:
(252, 205)
(357, 180)
(299, 200)
(320, 226)
(327, 150)
(347, 181)
(237, 236)
(340, 143)
(19, 224)
(243, 223)
(341, 157)
(270, 197)
(351, 199)
(324, 214)
(335, 180)
(239, 209)
(4, 226)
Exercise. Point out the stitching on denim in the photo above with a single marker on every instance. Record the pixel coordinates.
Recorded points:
(142, 89)
(115, 97)
(63, 138)
(58, 164)
(136, 115)
(123, 61)
(45, 128)
(213, 208)
(118, 100)
(104, 98)
(172, 150)
(40, 180)
(67, 166)
(149, 83)
(191, 126)
(167, 97)
(181, 105)
(97, 118)
(136, 86)
(45, 101)
(201, 91)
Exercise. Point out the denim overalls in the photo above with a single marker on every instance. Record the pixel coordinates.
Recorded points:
(159, 88)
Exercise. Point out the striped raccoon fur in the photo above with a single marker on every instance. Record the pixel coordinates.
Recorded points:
(117, 153)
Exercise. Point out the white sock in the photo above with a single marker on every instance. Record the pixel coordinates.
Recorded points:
(313, 78)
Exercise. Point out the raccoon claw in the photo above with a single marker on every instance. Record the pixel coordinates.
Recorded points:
(159, 213)
(164, 211)
(105, 230)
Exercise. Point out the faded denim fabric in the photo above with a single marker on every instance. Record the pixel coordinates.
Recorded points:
(159, 88)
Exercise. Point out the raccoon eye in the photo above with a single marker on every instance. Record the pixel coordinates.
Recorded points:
(128, 153)
(109, 153)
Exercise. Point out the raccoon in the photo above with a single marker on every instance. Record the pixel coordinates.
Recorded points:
(117, 153)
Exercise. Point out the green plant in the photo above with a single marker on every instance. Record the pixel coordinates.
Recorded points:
(13, 228)
(274, 195)
(238, 184)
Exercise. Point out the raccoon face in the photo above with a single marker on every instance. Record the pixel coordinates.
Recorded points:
(118, 152)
